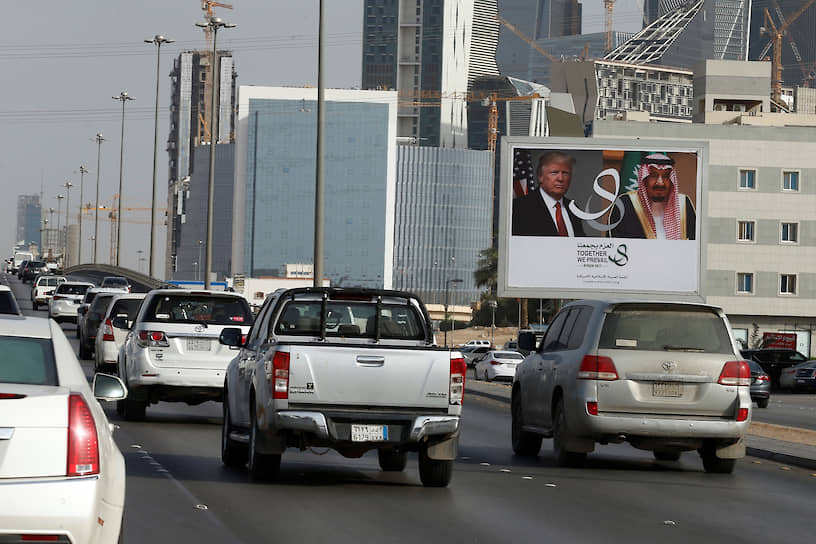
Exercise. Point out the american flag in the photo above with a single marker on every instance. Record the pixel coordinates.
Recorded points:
(523, 178)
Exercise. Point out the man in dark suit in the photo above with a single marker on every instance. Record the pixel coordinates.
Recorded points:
(545, 211)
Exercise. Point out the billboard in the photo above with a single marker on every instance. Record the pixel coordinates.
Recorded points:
(601, 218)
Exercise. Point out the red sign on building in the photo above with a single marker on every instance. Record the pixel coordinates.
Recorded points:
(783, 340)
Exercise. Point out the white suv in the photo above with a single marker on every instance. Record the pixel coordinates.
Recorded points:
(67, 298)
(172, 352)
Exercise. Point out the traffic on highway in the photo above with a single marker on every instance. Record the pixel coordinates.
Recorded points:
(179, 487)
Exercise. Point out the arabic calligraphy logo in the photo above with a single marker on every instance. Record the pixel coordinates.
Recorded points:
(621, 258)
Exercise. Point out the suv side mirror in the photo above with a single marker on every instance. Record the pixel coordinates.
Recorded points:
(231, 336)
(81, 310)
(527, 341)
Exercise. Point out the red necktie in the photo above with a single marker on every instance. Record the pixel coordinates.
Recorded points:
(559, 221)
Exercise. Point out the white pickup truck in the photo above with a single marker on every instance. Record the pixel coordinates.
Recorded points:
(349, 369)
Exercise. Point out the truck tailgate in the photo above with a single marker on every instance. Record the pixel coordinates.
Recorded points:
(361, 376)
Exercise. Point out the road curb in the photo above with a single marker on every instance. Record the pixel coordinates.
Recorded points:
(770, 455)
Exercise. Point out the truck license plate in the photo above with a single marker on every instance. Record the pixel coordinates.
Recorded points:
(198, 344)
(369, 433)
(667, 389)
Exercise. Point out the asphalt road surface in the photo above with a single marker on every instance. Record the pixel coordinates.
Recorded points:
(178, 490)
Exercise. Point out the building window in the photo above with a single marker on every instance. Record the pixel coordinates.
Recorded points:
(790, 181)
(745, 282)
(787, 284)
(790, 232)
(747, 179)
(745, 231)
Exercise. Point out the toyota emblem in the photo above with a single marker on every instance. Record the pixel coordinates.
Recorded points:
(668, 366)
(200, 328)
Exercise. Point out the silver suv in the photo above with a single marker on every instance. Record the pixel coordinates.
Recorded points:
(662, 376)
(171, 352)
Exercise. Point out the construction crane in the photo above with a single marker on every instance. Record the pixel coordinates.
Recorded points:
(207, 7)
(776, 41)
(512, 28)
(493, 115)
(609, 6)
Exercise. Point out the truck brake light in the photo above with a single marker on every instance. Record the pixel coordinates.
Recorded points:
(153, 339)
(280, 375)
(458, 368)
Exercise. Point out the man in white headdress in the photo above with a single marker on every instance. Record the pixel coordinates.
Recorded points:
(656, 209)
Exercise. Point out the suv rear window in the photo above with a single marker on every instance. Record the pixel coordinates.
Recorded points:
(351, 319)
(8, 305)
(114, 282)
(28, 361)
(213, 310)
(71, 289)
(665, 329)
(126, 307)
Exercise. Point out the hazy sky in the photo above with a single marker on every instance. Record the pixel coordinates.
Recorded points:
(62, 61)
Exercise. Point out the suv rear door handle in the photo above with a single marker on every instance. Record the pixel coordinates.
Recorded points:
(371, 360)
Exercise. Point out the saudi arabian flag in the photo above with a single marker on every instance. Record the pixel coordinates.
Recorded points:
(629, 170)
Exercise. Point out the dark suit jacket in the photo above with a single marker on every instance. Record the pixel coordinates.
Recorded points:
(532, 218)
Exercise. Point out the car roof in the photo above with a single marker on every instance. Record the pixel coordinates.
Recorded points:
(34, 327)
(161, 292)
(73, 282)
(105, 290)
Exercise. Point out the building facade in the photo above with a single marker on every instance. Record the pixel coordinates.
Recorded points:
(758, 212)
(29, 220)
(443, 220)
(192, 236)
(429, 51)
(190, 99)
(603, 89)
(275, 180)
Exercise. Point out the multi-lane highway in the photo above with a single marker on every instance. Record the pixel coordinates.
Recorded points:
(178, 491)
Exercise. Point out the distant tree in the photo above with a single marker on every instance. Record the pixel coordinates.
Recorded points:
(756, 338)
(487, 270)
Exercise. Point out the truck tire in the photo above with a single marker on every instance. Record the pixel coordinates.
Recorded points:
(392, 460)
(261, 467)
(84, 353)
(525, 444)
(233, 454)
(564, 457)
(434, 472)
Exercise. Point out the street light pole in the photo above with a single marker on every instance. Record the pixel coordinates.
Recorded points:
(493, 305)
(123, 97)
(67, 186)
(99, 139)
(157, 40)
(82, 172)
(317, 272)
(200, 242)
(213, 24)
(59, 228)
(453, 322)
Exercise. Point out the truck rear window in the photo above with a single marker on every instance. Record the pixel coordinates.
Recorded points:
(349, 319)
(213, 310)
(665, 329)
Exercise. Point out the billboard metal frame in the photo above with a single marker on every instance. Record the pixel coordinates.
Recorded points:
(550, 248)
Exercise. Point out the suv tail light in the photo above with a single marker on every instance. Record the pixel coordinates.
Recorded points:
(58, 297)
(153, 339)
(458, 368)
(595, 367)
(763, 378)
(83, 444)
(735, 373)
(495, 362)
(280, 375)
(107, 331)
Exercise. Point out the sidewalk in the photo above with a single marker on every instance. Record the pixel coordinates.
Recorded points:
(763, 439)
